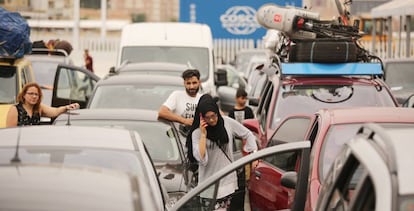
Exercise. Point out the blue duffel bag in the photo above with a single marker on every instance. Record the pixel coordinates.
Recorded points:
(14, 34)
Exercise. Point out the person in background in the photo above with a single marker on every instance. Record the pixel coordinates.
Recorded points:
(29, 108)
(88, 60)
(180, 105)
(240, 111)
(211, 135)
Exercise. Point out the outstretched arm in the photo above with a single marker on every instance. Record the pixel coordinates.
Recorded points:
(166, 113)
(52, 112)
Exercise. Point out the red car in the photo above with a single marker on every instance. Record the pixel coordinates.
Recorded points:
(327, 130)
(304, 88)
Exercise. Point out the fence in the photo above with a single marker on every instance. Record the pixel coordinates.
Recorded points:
(105, 51)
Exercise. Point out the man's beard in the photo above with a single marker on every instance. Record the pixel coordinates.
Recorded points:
(192, 92)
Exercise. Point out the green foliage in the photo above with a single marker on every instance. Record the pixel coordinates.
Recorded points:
(138, 17)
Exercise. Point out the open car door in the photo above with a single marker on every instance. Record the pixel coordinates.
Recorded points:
(209, 187)
(73, 85)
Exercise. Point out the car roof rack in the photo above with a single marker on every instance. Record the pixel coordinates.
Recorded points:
(332, 69)
(46, 51)
(8, 59)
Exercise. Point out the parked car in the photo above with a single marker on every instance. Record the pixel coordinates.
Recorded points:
(137, 91)
(243, 57)
(117, 149)
(252, 65)
(14, 74)
(373, 171)
(54, 68)
(304, 88)
(399, 75)
(44, 63)
(27, 186)
(327, 130)
(162, 139)
(227, 93)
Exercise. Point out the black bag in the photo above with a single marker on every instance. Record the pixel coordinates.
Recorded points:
(192, 163)
(323, 51)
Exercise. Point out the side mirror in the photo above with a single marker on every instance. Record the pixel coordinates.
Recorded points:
(289, 179)
(252, 125)
(409, 102)
(220, 77)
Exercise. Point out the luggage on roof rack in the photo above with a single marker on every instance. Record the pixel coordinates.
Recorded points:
(53, 47)
(14, 34)
(323, 51)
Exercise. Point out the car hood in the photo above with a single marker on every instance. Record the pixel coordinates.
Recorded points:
(171, 175)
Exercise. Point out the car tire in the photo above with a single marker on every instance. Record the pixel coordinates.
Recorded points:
(323, 51)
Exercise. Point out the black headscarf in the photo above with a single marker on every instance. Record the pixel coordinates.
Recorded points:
(217, 134)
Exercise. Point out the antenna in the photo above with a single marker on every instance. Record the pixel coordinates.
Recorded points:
(16, 158)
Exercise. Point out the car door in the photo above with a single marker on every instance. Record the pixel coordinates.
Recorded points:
(265, 189)
(73, 85)
(191, 201)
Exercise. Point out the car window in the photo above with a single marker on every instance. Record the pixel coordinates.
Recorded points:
(309, 99)
(291, 130)
(131, 96)
(191, 56)
(27, 73)
(44, 72)
(265, 108)
(400, 75)
(8, 84)
(74, 84)
(335, 138)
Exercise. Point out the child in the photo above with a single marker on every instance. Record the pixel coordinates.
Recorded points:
(240, 111)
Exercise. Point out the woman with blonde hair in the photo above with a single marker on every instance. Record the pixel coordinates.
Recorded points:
(29, 108)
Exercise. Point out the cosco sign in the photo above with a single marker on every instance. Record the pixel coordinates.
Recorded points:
(240, 20)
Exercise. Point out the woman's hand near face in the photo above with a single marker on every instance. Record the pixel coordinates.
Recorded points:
(203, 126)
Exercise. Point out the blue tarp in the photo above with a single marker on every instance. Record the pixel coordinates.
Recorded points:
(14, 34)
(331, 69)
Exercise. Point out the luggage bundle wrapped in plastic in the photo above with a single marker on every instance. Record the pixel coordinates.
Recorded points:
(14, 34)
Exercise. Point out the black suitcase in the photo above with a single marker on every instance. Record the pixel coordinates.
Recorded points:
(323, 51)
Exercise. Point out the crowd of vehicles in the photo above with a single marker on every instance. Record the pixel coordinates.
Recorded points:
(313, 96)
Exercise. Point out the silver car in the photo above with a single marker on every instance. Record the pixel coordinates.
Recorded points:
(116, 149)
(162, 139)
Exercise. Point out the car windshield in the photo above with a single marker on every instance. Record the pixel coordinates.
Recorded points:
(140, 96)
(192, 57)
(44, 72)
(336, 137)
(8, 85)
(400, 75)
(120, 160)
(294, 99)
(153, 134)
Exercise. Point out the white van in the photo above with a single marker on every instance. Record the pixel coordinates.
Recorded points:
(185, 43)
